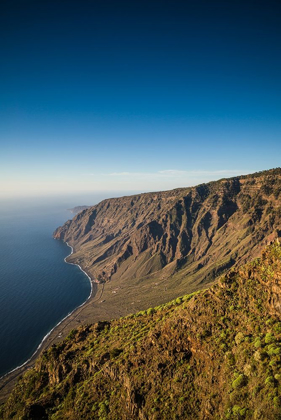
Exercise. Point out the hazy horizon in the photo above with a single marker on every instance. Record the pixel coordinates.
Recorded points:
(165, 180)
(136, 97)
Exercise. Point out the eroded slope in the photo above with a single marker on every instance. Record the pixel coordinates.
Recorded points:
(187, 235)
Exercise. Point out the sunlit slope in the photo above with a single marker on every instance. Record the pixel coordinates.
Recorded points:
(181, 238)
(212, 355)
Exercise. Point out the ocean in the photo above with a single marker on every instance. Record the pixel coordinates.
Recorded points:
(37, 288)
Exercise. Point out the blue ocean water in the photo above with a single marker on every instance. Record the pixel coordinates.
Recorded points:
(37, 288)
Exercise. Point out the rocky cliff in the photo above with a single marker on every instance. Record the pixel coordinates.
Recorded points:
(212, 355)
(188, 236)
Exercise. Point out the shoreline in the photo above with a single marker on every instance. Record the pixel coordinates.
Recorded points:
(14, 373)
(90, 279)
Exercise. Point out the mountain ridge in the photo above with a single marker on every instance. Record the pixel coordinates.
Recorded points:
(188, 235)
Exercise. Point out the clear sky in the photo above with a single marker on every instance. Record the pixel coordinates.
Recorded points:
(137, 95)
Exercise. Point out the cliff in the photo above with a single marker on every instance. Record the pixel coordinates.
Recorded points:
(181, 238)
(215, 354)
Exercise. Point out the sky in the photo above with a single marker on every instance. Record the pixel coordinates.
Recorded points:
(100, 96)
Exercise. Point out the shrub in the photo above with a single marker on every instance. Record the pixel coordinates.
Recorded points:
(150, 311)
(103, 410)
(269, 380)
(277, 327)
(72, 334)
(238, 382)
(239, 338)
(271, 351)
(269, 338)
(238, 411)
(257, 343)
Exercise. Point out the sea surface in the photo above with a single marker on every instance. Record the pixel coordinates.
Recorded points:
(37, 288)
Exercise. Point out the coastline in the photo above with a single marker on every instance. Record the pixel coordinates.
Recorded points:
(10, 377)
(90, 279)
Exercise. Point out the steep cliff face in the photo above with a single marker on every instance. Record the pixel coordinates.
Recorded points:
(215, 354)
(195, 232)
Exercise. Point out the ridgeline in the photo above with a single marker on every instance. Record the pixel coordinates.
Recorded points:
(150, 248)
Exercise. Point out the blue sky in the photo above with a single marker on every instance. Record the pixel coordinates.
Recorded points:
(136, 96)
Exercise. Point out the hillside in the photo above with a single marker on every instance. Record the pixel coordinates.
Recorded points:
(157, 246)
(215, 354)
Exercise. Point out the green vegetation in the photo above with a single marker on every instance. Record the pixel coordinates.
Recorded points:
(213, 354)
(238, 382)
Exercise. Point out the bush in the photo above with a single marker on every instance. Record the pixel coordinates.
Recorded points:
(269, 338)
(103, 410)
(239, 338)
(277, 327)
(150, 311)
(269, 380)
(257, 343)
(238, 411)
(238, 382)
(271, 351)
(72, 334)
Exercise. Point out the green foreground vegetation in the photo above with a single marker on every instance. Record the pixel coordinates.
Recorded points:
(215, 354)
